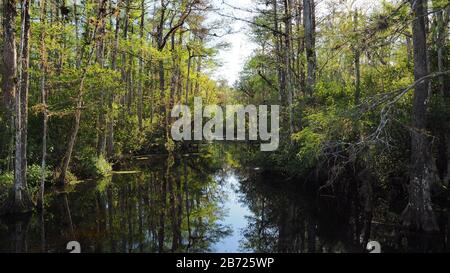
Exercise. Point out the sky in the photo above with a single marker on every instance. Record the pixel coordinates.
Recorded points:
(241, 47)
(232, 60)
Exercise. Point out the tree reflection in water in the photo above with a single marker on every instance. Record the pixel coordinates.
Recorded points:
(165, 205)
(286, 219)
(177, 204)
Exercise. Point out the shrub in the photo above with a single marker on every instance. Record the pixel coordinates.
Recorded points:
(102, 166)
(95, 167)
(34, 173)
(6, 183)
(311, 145)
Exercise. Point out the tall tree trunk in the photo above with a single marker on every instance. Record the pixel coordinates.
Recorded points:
(131, 74)
(9, 70)
(124, 69)
(419, 212)
(173, 80)
(301, 77)
(179, 91)
(427, 30)
(160, 45)
(43, 68)
(309, 26)
(9, 56)
(141, 65)
(300, 48)
(110, 125)
(357, 56)
(24, 86)
(19, 201)
(10, 63)
(77, 29)
(280, 72)
(101, 135)
(287, 64)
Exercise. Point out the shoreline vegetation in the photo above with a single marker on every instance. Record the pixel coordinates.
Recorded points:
(364, 96)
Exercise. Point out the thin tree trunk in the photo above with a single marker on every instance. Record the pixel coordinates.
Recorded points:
(300, 49)
(160, 45)
(173, 80)
(357, 62)
(125, 71)
(77, 29)
(141, 65)
(287, 63)
(179, 91)
(188, 77)
(427, 30)
(24, 86)
(43, 67)
(301, 85)
(101, 136)
(309, 25)
(198, 71)
(110, 125)
(278, 54)
(18, 182)
(130, 72)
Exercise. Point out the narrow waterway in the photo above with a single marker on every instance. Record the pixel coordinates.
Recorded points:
(236, 217)
(206, 202)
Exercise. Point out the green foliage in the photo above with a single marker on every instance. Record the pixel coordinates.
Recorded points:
(129, 138)
(34, 175)
(310, 147)
(115, 85)
(6, 184)
(71, 177)
(94, 166)
(332, 123)
(103, 183)
(103, 167)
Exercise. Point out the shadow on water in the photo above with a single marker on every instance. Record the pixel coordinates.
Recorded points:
(286, 219)
(203, 203)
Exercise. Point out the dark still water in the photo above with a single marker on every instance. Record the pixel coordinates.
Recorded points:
(202, 203)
